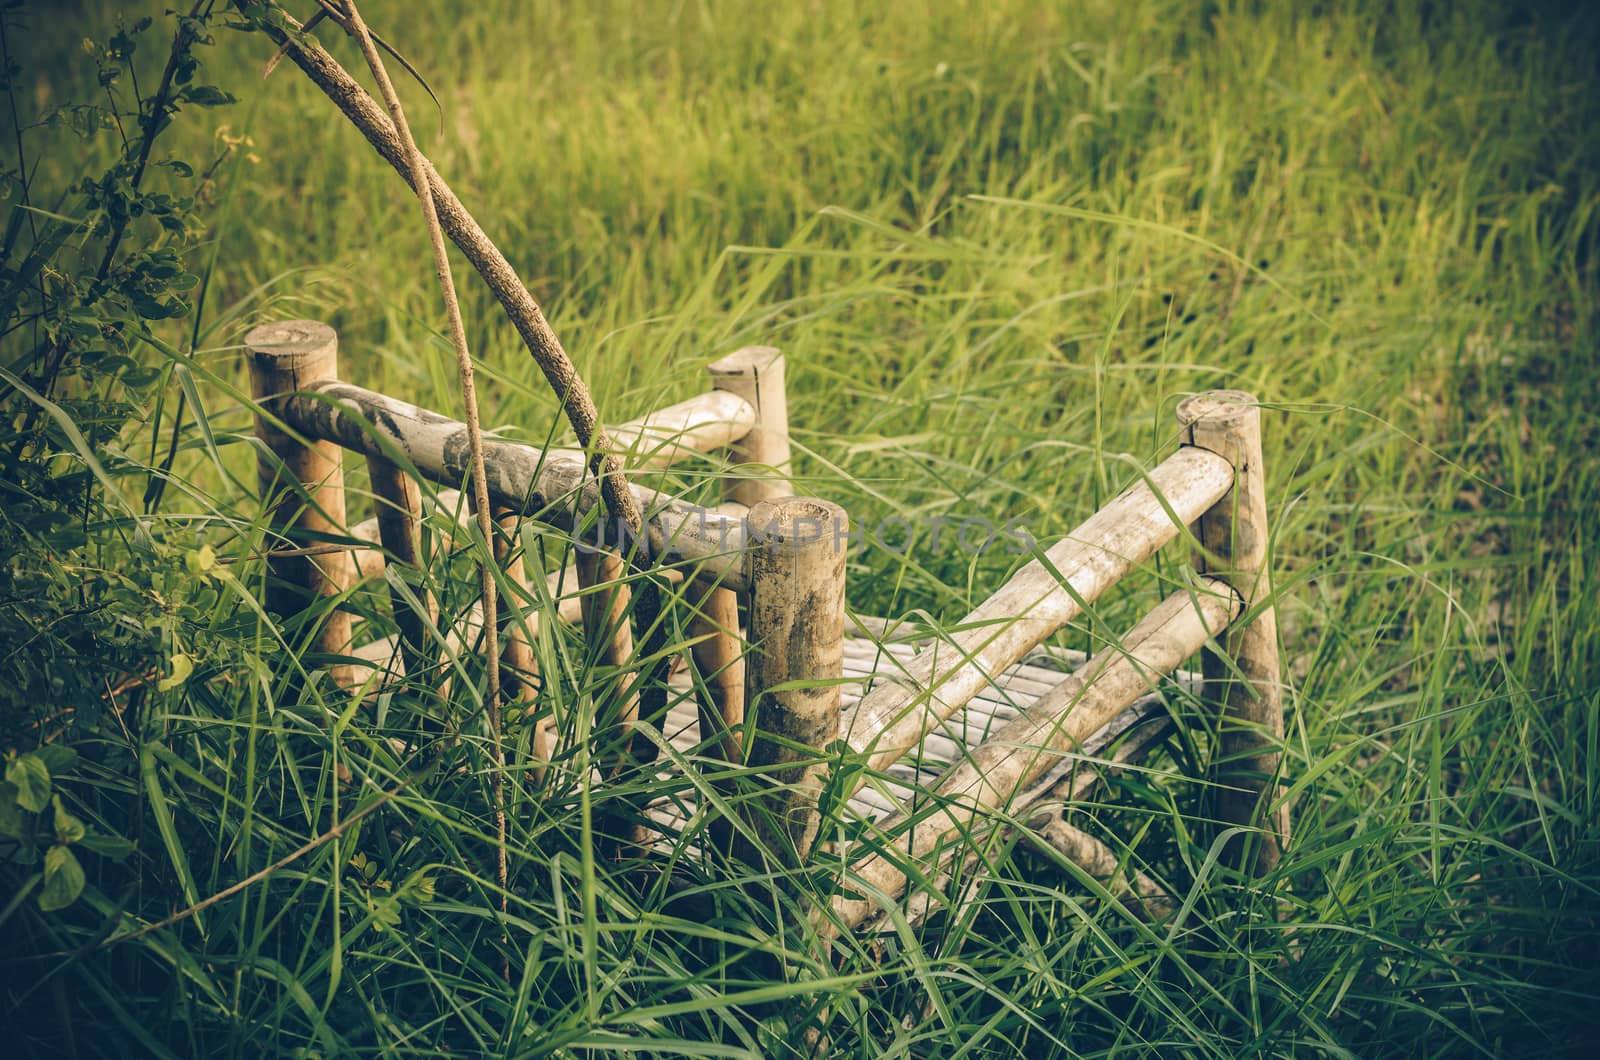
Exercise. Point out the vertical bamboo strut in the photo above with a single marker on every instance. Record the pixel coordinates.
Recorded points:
(398, 503)
(519, 665)
(1233, 534)
(796, 573)
(718, 658)
(285, 358)
(755, 373)
(606, 623)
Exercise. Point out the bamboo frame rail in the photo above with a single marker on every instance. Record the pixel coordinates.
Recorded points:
(1039, 599)
(1053, 726)
(551, 487)
(766, 599)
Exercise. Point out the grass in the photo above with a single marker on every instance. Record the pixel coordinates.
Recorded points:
(997, 244)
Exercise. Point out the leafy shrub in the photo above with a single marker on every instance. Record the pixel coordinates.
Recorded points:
(97, 597)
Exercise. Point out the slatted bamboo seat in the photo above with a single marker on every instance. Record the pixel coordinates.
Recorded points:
(867, 658)
(951, 727)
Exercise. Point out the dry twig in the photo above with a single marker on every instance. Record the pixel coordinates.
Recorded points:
(418, 167)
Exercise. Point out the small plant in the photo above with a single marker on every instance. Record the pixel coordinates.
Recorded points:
(98, 601)
(36, 827)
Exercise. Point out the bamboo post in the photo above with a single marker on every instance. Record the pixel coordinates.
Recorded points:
(519, 665)
(718, 658)
(607, 625)
(397, 501)
(796, 621)
(286, 358)
(1233, 536)
(755, 374)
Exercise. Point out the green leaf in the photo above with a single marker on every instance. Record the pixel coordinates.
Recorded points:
(108, 846)
(182, 667)
(418, 888)
(12, 822)
(32, 778)
(68, 828)
(385, 914)
(201, 560)
(59, 760)
(63, 879)
(206, 96)
(79, 444)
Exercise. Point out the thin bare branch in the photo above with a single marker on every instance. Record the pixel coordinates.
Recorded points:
(418, 167)
(524, 313)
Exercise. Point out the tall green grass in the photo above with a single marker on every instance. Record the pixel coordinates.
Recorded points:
(997, 242)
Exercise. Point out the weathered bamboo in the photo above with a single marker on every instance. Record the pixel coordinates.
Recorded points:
(519, 663)
(1057, 724)
(753, 377)
(369, 556)
(762, 458)
(398, 503)
(1128, 737)
(524, 479)
(1038, 600)
(1246, 680)
(1136, 731)
(702, 424)
(718, 658)
(310, 506)
(608, 630)
(796, 634)
(1135, 889)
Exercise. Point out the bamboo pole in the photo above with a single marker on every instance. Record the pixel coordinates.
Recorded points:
(1245, 681)
(1128, 737)
(702, 424)
(794, 663)
(1038, 600)
(762, 457)
(540, 485)
(752, 376)
(718, 658)
(397, 501)
(519, 663)
(990, 777)
(369, 554)
(286, 358)
(1136, 731)
(606, 601)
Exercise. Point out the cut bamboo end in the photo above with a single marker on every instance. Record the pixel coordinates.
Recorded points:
(997, 773)
(796, 572)
(301, 483)
(755, 375)
(1245, 682)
